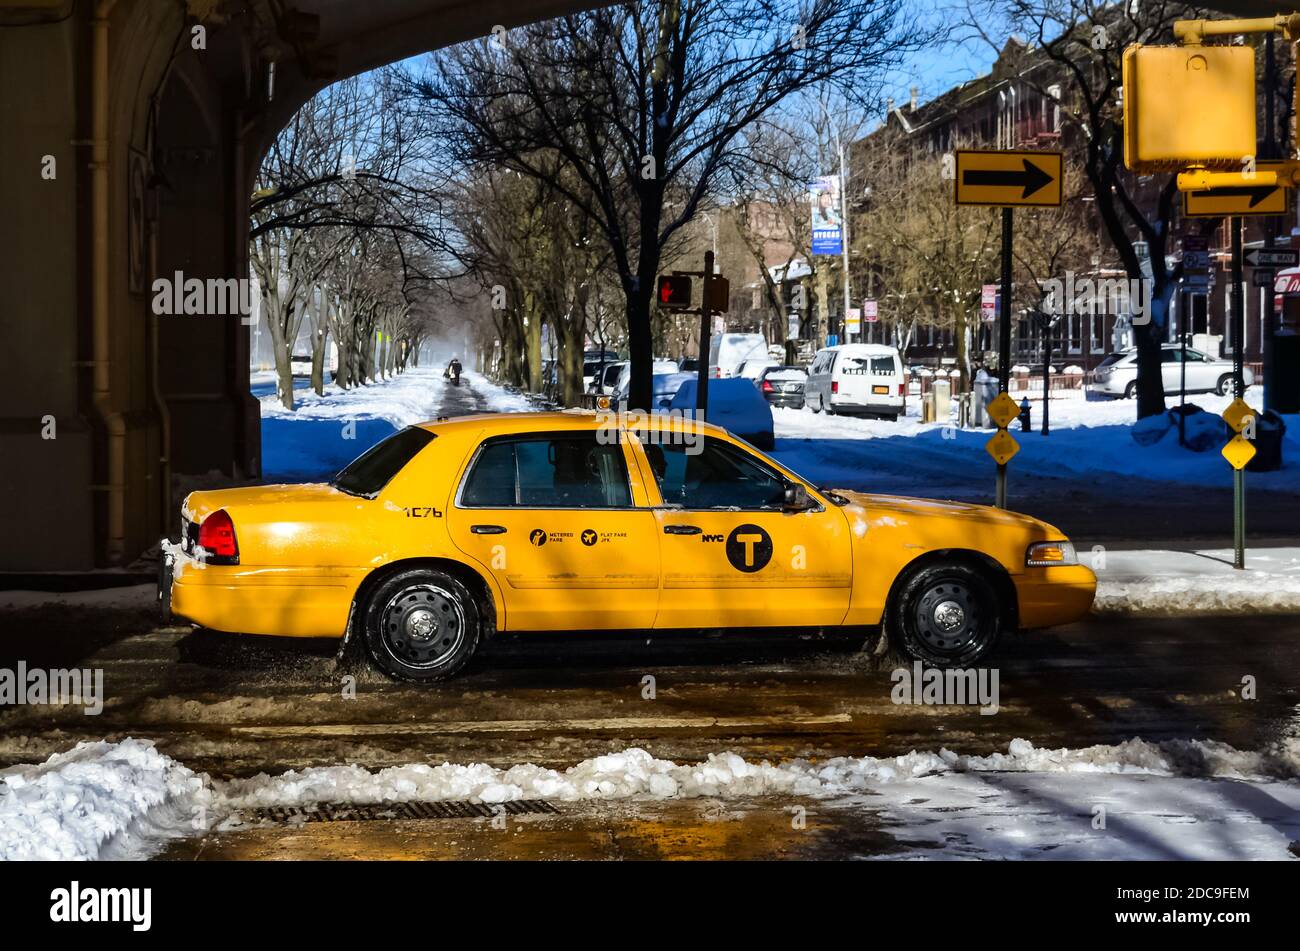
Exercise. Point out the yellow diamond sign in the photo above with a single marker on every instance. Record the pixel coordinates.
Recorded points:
(1239, 451)
(1236, 413)
(1002, 447)
(1003, 410)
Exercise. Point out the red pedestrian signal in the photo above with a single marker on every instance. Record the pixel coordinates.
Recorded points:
(674, 290)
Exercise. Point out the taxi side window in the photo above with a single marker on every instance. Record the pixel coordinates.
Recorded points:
(568, 471)
(718, 476)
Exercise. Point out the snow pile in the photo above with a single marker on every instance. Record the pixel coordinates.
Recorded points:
(1204, 582)
(76, 804)
(99, 793)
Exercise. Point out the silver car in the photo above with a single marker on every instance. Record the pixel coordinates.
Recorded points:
(1117, 374)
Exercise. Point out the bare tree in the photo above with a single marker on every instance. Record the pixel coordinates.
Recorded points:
(643, 100)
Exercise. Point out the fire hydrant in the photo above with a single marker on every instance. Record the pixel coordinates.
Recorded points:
(1024, 415)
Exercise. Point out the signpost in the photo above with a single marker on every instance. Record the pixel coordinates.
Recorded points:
(674, 292)
(1007, 179)
(1243, 199)
(1271, 257)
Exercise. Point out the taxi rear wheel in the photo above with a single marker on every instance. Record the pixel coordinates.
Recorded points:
(422, 626)
(946, 615)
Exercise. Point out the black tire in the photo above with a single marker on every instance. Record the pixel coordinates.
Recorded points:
(931, 599)
(421, 626)
(1224, 387)
(1131, 390)
(816, 407)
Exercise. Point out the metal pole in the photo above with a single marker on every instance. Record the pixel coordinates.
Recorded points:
(1004, 341)
(1047, 372)
(706, 331)
(1270, 224)
(844, 234)
(1239, 390)
(1182, 380)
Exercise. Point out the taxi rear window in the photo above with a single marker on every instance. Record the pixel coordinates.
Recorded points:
(372, 470)
(548, 471)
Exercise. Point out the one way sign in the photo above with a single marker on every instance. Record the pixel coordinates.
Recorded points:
(1009, 178)
(1272, 257)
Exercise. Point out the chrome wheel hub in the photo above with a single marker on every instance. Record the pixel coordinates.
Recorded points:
(949, 616)
(421, 624)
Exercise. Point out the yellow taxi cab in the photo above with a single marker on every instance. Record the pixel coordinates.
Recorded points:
(448, 531)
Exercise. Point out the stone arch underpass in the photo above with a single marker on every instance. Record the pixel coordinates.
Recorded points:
(153, 147)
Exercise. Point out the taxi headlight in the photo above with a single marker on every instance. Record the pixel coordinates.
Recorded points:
(1042, 554)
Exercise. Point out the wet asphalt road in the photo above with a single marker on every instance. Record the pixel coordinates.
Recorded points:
(237, 706)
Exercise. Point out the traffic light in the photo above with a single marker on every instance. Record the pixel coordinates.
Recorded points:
(1188, 106)
(674, 290)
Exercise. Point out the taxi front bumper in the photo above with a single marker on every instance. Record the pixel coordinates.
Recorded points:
(1059, 594)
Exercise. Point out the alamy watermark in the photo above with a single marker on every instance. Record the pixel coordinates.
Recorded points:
(675, 427)
(28, 686)
(179, 295)
(952, 686)
(1088, 296)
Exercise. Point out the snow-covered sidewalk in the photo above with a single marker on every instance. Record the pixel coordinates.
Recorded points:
(1177, 799)
(322, 434)
(1167, 583)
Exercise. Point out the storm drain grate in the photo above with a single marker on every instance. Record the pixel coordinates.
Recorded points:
(349, 812)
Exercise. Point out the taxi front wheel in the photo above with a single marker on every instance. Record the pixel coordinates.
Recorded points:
(421, 625)
(946, 616)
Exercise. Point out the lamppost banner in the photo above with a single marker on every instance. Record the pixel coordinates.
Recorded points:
(827, 227)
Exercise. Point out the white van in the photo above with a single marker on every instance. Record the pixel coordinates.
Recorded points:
(728, 351)
(862, 379)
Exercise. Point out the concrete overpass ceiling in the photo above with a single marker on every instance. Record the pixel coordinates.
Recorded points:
(350, 37)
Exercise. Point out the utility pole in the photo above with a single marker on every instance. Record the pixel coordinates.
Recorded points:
(844, 232)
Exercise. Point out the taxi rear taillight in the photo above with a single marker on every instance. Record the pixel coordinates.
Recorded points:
(217, 542)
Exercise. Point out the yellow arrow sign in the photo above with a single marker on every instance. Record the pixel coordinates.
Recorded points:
(1009, 178)
(1237, 413)
(1239, 451)
(1002, 447)
(1244, 199)
(1003, 410)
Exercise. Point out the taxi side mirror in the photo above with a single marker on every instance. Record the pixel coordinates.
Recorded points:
(797, 498)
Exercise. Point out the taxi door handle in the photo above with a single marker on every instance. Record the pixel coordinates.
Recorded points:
(488, 529)
(682, 529)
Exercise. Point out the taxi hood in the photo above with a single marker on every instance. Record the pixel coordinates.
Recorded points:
(900, 511)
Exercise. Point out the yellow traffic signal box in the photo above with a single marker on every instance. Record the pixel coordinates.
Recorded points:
(1188, 105)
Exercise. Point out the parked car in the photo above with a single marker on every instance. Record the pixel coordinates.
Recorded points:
(663, 387)
(658, 366)
(1117, 374)
(733, 404)
(300, 365)
(753, 368)
(783, 386)
(728, 351)
(862, 379)
(608, 381)
(688, 365)
(593, 364)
